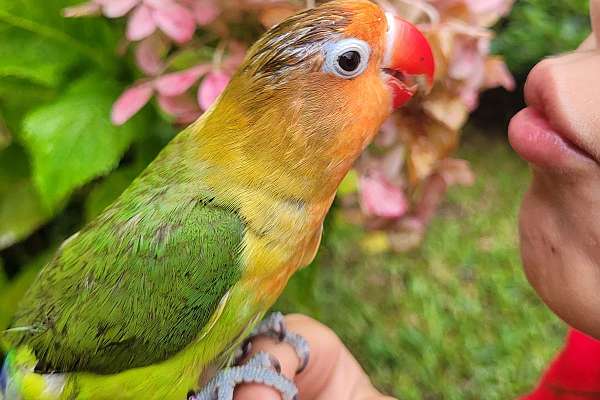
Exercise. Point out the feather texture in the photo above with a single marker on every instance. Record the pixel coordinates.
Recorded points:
(137, 284)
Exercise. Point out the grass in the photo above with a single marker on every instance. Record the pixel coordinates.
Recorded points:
(453, 320)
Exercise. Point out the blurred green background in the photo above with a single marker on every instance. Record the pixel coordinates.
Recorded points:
(454, 320)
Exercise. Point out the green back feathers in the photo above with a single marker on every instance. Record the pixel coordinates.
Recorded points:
(137, 284)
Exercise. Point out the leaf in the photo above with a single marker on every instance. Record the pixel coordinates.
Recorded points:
(5, 136)
(92, 39)
(21, 210)
(349, 184)
(552, 27)
(73, 141)
(17, 97)
(189, 57)
(29, 56)
(3, 277)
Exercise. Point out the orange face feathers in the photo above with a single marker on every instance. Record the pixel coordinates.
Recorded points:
(313, 91)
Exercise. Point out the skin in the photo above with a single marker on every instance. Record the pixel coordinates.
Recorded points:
(559, 227)
(332, 372)
(560, 233)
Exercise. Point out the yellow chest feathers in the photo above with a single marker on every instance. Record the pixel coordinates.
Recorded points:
(282, 235)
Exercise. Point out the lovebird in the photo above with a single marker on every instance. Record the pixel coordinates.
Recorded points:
(153, 297)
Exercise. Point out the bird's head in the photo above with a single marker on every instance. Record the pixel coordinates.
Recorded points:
(314, 90)
(343, 50)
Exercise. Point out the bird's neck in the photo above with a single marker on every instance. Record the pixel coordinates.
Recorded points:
(278, 161)
(275, 154)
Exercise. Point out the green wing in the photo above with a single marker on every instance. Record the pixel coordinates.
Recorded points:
(136, 285)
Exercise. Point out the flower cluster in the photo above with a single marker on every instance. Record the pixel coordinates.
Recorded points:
(170, 55)
(186, 53)
(405, 174)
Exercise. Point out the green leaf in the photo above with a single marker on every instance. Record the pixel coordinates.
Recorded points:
(189, 57)
(5, 136)
(72, 141)
(552, 27)
(349, 184)
(29, 56)
(17, 97)
(3, 277)
(21, 211)
(93, 38)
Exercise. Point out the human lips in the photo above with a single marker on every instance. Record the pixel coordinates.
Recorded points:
(533, 138)
(560, 127)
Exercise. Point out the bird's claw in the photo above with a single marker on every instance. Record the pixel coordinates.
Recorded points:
(262, 368)
(274, 326)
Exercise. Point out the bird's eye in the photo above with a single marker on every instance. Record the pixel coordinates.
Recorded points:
(347, 58)
(349, 61)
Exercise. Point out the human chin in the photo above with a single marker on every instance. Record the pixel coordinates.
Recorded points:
(560, 245)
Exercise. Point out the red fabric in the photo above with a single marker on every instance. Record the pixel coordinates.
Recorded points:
(574, 374)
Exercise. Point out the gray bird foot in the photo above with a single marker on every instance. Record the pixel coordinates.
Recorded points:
(274, 327)
(262, 368)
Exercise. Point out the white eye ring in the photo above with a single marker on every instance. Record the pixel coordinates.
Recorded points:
(335, 51)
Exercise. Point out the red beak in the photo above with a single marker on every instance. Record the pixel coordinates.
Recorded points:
(408, 60)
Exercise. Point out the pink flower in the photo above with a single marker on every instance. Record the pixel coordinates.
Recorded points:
(480, 12)
(468, 65)
(149, 52)
(110, 8)
(174, 20)
(497, 74)
(170, 85)
(130, 102)
(141, 23)
(211, 88)
(493, 9)
(183, 108)
(380, 198)
(177, 83)
(173, 94)
(145, 16)
(205, 11)
(117, 8)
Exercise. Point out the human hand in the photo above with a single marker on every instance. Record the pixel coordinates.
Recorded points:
(332, 372)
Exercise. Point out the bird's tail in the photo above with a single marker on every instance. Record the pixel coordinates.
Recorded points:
(8, 378)
(18, 381)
